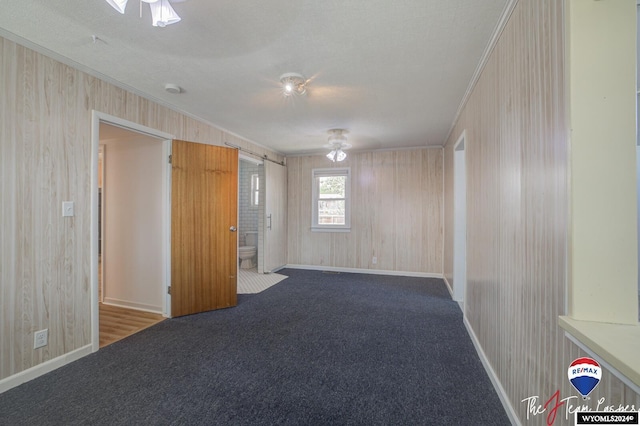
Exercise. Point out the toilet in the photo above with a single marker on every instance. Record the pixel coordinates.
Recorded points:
(249, 250)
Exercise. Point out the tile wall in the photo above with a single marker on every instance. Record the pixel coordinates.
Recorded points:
(248, 214)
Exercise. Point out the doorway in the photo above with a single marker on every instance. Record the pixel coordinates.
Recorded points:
(250, 215)
(130, 228)
(459, 222)
(131, 201)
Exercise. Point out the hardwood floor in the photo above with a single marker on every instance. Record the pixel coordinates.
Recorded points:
(117, 323)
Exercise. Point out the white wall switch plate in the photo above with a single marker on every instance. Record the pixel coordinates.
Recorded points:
(374, 260)
(68, 208)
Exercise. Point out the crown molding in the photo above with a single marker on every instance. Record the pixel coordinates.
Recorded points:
(502, 22)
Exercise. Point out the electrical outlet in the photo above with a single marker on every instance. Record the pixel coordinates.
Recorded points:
(374, 260)
(40, 338)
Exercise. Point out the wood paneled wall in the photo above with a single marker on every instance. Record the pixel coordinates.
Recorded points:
(396, 213)
(45, 148)
(517, 209)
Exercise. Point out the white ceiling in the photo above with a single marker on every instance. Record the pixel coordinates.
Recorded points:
(392, 72)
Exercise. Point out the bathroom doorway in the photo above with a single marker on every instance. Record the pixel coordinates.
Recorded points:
(250, 216)
(261, 232)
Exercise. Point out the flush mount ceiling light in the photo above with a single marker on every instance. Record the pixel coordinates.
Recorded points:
(162, 14)
(173, 88)
(293, 84)
(337, 144)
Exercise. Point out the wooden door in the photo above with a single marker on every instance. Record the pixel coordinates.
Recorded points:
(275, 232)
(204, 204)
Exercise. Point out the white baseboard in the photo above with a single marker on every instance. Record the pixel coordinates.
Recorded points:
(446, 281)
(44, 368)
(511, 413)
(132, 305)
(365, 271)
(275, 270)
(448, 284)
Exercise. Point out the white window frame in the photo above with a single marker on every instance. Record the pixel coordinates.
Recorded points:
(255, 190)
(316, 173)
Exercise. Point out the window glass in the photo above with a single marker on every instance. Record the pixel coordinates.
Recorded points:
(331, 200)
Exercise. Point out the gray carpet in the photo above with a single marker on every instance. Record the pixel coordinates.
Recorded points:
(315, 349)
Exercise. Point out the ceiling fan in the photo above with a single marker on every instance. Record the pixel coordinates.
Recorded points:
(162, 14)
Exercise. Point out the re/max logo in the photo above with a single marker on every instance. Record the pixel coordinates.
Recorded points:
(581, 370)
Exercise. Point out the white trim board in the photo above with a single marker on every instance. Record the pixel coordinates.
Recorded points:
(446, 281)
(442, 215)
(365, 271)
(502, 394)
(43, 368)
(460, 305)
(133, 305)
(460, 212)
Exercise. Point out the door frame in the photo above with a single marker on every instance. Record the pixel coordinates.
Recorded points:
(459, 221)
(98, 117)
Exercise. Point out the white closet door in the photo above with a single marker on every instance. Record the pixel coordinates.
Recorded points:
(275, 224)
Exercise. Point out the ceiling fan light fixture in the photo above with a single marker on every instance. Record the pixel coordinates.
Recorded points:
(162, 14)
(293, 84)
(337, 155)
(118, 5)
(337, 143)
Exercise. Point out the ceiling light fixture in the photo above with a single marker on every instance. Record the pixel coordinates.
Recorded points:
(337, 143)
(162, 14)
(293, 84)
(118, 5)
(172, 88)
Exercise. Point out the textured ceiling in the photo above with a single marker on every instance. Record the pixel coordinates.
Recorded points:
(391, 72)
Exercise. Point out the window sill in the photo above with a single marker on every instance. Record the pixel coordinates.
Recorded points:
(317, 229)
(616, 344)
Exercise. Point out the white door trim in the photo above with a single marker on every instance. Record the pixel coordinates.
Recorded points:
(459, 222)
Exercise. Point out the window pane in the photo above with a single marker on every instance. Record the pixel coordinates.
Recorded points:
(332, 186)
(331, 212)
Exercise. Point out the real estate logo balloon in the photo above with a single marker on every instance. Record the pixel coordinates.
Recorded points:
(584, 374)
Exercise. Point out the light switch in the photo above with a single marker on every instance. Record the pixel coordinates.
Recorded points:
(67, 208)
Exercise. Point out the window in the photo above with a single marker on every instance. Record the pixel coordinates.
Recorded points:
(331, 204)
(255, 190)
